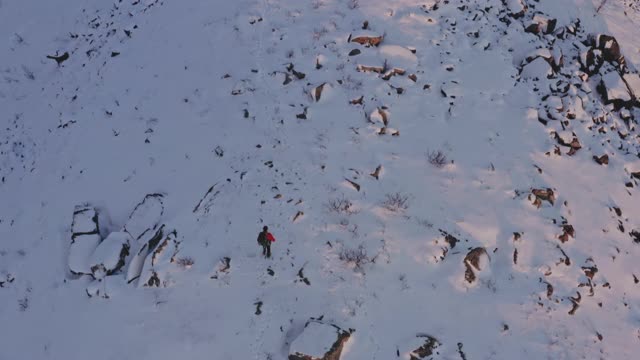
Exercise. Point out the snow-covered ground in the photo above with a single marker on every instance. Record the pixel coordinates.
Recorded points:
(445, 179)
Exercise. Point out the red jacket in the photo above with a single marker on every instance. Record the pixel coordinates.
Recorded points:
(270, 237)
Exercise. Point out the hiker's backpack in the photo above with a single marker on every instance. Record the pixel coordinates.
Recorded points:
(270, 238)
(261, 238)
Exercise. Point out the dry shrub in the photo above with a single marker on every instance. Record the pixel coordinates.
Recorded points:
(396, 202)
(185, 262)
(354, 256)
(437, 158)
(340, 205)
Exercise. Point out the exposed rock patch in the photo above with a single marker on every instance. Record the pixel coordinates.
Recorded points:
(319, 341)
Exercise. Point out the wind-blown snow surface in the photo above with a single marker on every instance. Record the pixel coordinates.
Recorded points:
(171, 97)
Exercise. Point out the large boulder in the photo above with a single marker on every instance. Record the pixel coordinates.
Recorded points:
(85, 238)
(85, 220)
(608, 45)
(111, 255)
(319, 341)
(539, 68)
(140, 254)
(614, 90)
(145, 218)
(159, 264)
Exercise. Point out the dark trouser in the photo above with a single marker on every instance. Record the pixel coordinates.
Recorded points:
(266, 249)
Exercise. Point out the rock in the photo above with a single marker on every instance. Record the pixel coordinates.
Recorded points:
(137, 262)
(541, 24)
(110, 256)
(474, 262)
(429, 344)
(558, 58)
(104, 287)
(516, 8)
(633, 85)
(80, 251)
(159, 264)
(567, 231)
(354, 52)
(85, 238)
(379, 115)
(85, 221)
(145, 217)
(614, 90)
(543, 195)
(398, 56)
(602, 160)
(537, 69)
(367, 40)
(555, 103)
(609, 47)
(320, 92)
(591, 61)
(366, 68)
(560, 86)
(319, 341)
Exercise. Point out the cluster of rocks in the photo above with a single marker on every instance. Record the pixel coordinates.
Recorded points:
(581, 77)
(143, 247)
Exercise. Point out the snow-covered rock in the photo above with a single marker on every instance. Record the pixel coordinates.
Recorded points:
(591, 61)
(110, 256)
(85, 238)
(319, 341)
(159, 264)
(537, 69)
(475, 261)
(633, 84)
(140, 254)
(614, 90)
(541, 24)
(398, 56)
(145, 217)
(608, 45)
(516, 8)
(80, 252)
(85, 220)
(104, 287)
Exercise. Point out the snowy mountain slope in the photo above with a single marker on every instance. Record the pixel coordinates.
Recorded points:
(241, 114)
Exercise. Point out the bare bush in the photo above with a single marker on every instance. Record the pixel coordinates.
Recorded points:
(185, 262)
(396, 202)
(437, 158)
(354, 4)
(340, 205)
(23, 304)
(356, 257)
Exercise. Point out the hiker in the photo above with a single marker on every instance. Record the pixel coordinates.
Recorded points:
(265, 239)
